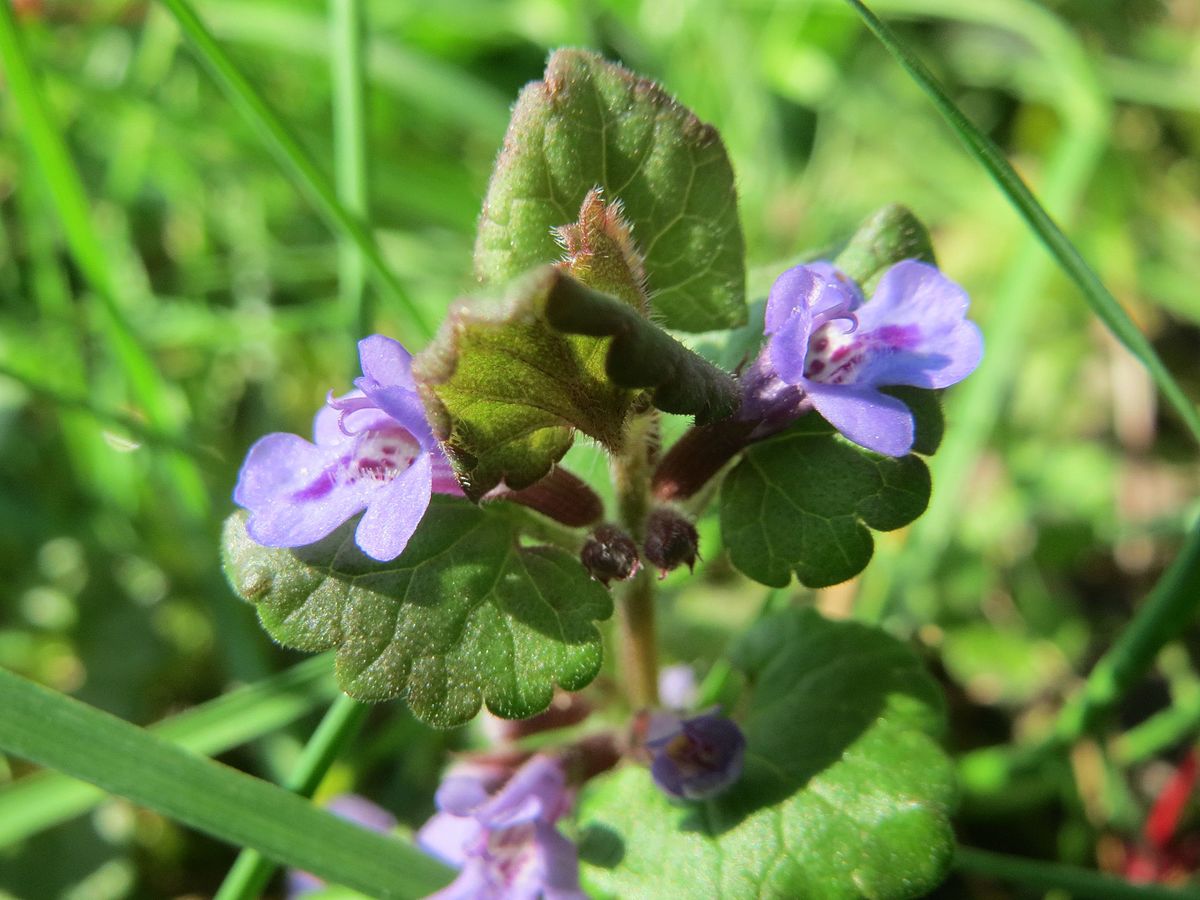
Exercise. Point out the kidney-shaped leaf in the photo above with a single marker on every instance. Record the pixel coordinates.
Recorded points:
(801, 502)
(591, 123)
(463, 616)
(846, 792)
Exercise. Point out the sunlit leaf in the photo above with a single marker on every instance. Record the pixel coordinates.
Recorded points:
(463, 616)
(591, 123)
(845, 793)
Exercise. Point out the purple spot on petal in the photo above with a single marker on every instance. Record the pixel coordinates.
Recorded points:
(319, 488)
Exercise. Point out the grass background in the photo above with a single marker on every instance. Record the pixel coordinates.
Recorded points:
(1060, 495)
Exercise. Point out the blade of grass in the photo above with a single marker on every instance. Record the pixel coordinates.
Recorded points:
(439, 91)
(1055, 876)
(251, 871)
(975, 405)
(350, 151)
(56, 731)
(1169, 609)
(1060, 247)
(65, 186)
(136, 428)
(294, 160)
(48, 798)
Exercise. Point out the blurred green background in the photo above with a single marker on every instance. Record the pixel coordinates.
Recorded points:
(1059, 495)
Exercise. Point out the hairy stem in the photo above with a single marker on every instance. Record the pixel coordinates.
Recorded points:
(631, 472)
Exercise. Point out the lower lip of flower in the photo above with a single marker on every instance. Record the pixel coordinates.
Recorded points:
(377, 456)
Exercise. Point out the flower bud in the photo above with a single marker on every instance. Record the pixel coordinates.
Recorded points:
(610, 554)
(694, 758)
(671, 539)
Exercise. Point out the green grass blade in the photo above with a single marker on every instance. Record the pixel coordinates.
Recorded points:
(350, 150)
(46, 145)
(251, 871)
(1048, 876)
(1060, 247)
(1169, 609)
(49, 798)
(292, 157)
(61, 733)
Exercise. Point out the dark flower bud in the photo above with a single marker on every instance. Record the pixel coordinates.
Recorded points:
(671, 539)
(610, 554)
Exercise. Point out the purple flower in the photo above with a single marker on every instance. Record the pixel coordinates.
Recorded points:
(374, 450)
(828, 349)
(694, 758)
(677, 688)
(504, 838)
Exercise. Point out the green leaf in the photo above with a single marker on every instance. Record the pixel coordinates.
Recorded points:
(507, 384)
(845, 792)
(888, 236)
(591, 123)
(463, 616)
(801, 502)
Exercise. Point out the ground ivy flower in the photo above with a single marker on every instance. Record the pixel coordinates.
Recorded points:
(697, 757)
(828, 349)
(503, 836)
(373, 451)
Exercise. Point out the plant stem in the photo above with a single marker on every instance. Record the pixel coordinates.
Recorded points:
(631, 472)
(251, 871)
(1050, 876)
(639, 651)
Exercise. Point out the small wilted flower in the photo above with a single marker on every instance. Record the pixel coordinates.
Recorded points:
(373, 450)
(694, 758)
(609, 554)
(502, 834)
(828, 349)
(671, 540)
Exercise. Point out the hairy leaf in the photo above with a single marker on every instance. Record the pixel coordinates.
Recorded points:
(593, 124)
(845, 792)
(463, 616)
(507, 384)
(801, 502)
(888, 236)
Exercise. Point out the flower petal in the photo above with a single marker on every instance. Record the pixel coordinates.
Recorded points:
(450, 838)
(916, 329)
(387, 380)
(293, 493)
(394, 512)
(788, 347)
(385, 361)
(827, 270)
(559, 864)
(460, 795)
(701, 759)
(332, 425)
(536, 791)
(865, 416)
(792, 291)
